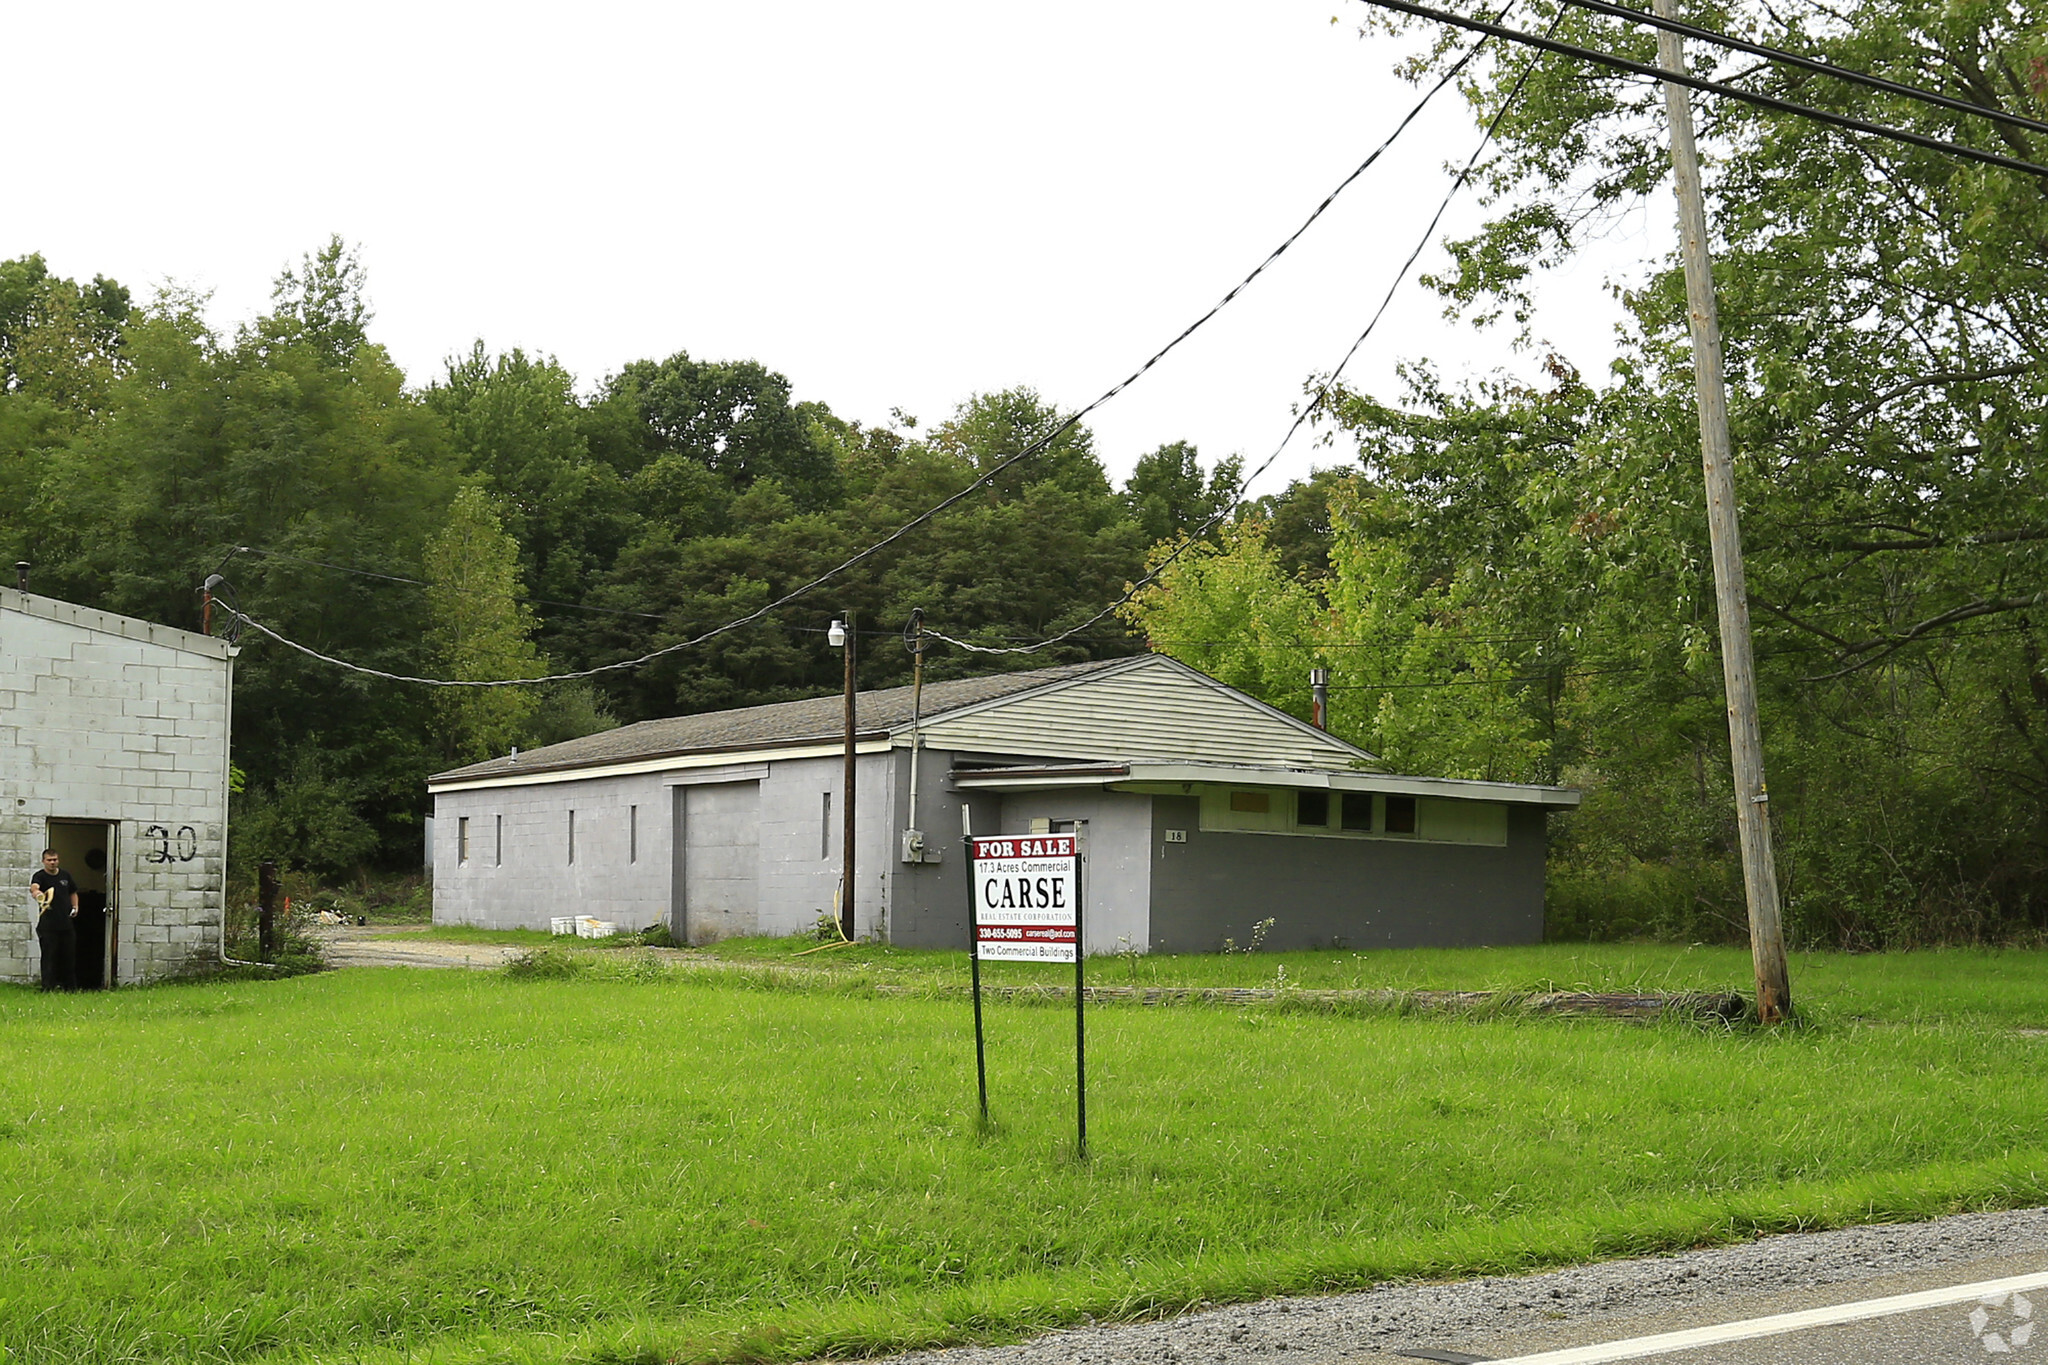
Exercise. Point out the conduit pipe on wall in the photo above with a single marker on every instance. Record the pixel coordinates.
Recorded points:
(227, 767)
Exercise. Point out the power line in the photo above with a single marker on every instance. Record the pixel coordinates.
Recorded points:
(1826, 68)
(986, 479)
(1301, 417)
(1644, 69)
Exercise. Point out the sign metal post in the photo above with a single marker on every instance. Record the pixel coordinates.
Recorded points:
(974, 961)
(1024, 905)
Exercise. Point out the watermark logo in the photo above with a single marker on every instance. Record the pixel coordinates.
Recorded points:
(2003, 1323)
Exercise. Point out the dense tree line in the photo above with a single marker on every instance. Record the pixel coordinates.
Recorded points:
(1509, 578)
(1513, 581)
(495, 522)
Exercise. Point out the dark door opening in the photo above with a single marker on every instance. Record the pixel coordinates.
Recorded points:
(86, 849)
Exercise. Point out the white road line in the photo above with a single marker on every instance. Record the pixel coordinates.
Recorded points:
(1783, 1322)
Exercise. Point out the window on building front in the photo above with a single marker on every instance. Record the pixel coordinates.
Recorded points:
(462, 839)
(572, 836)
(499, 854)
(1251, 803)
(1312, 810)
(1400, 815)
(632, 834)
(1358, 812)
(825, 828)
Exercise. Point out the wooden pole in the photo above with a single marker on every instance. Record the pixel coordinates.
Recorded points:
(846, 836)
(1745, 739)
(267, 890)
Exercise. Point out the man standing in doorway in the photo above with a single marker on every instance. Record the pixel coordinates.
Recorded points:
(56, 897)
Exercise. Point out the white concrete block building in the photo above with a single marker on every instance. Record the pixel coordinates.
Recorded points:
(114, 752)
(1203, 813)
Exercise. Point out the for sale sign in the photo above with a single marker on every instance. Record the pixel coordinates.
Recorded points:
(1027, 899)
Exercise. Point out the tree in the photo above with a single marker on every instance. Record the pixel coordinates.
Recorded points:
(479, 629)
(734, 418)
(1231, 610)
(1168, 497)
(517, 425)
(1888, 360)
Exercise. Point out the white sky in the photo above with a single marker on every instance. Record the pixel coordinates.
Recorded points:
(895, 204)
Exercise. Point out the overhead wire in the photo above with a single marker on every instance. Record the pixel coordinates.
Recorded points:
(1713, 87)
(1786, 57)
(985, 480)
(1301, 417)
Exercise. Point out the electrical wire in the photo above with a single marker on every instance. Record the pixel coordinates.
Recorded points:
(1826, 68)
(987, 479)
(1711, 87)
(1301, 417)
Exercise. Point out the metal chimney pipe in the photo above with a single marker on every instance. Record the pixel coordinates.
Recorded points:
(1319, 686)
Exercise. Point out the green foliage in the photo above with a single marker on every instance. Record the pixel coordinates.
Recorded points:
(552, 531)
(305, 818)
(1169, 496)
(479, 629)
(1513, 579)
(456, 1166)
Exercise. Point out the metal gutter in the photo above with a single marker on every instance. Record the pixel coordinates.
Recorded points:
(1161, 778)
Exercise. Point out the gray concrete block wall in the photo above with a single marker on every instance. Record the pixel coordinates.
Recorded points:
(1117, 870)
(620, 871)
(800, 850)
(928, 901)
(108, 719)
(1344, 893)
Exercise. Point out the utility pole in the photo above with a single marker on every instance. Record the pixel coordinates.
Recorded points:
(850, 641)
(1745, 739)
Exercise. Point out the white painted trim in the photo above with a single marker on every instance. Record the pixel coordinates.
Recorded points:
(668, 763)
(731, 772)
(1780, 1323)
(1165, 779)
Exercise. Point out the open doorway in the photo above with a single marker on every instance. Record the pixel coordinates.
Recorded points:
(86, 850)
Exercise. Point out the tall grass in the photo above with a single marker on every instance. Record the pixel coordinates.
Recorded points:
(383, 1165)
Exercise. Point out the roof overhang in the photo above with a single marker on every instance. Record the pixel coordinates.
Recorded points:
(510, 774)
(1176, 779)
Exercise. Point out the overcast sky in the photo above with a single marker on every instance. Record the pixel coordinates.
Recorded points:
(895, 204)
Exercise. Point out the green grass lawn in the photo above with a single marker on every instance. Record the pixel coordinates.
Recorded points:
(638, 1165)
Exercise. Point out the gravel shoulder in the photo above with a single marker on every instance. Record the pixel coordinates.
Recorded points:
(1543, 1311)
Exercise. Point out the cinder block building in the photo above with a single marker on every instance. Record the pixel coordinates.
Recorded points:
(114, 752)
(1204, 812)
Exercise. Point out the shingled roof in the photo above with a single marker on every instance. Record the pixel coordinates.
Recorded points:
(814, 720)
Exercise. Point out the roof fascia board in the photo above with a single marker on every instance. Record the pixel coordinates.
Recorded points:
(1148, 776)
(665, 764)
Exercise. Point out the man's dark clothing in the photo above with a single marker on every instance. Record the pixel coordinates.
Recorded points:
(54, 928)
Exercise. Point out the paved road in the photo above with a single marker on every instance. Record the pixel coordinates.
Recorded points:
(1972, 1312)
(1503, 1318)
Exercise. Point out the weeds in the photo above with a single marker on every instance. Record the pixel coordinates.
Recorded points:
(784, 1164)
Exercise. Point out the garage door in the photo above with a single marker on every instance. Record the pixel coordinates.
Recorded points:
(721, 860)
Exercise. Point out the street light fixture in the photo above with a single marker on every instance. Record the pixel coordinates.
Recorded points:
(842, 636)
